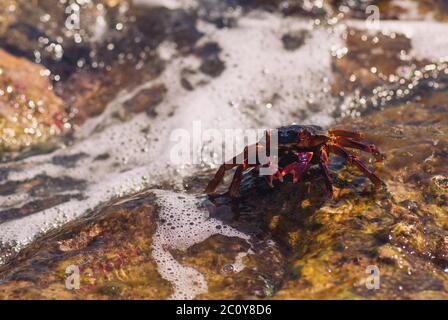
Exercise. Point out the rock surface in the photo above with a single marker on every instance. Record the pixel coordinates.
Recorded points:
(112, 250)
(95, 205)
(30, 110)
(326, 247)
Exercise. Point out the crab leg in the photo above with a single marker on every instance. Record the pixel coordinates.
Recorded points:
(236, 161)
(213, 184)
(236, 181)
(346, 133)
(299, 167)
(219, 176)
(352, 159)
(370, 148)
(323, 164)
(275, 174)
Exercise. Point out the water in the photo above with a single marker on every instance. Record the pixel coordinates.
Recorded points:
(148, 71)
(137, 160)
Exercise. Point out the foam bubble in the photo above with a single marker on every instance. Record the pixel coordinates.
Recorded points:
(184, 224)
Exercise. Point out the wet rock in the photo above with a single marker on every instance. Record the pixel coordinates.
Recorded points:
(88, 94)
(41, 185)
(103, 156)
(258, 274)
(377, 70)
(415, 10)
(7, 9)
(293, 41)
(211, 64)
(128, 59)
(186, 83)
(36, 206)
(302, 244)
(147, 100)
(30, 111)
(313, 9)
(191, 78)
(371, 59)
(68, 161)
(308, 245)
(223, 14)
(440, 182)
(332, 245)
(111, 249)
(60, 35)
(160, 24)
(388, 10)
(111, 50)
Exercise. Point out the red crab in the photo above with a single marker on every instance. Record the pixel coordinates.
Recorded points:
(299, 147)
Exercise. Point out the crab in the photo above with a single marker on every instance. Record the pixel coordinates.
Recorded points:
(299, 147)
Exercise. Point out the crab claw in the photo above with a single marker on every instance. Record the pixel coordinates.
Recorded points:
(273, 173)
(298, 168)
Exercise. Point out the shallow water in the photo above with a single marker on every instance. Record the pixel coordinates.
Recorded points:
(149, 68)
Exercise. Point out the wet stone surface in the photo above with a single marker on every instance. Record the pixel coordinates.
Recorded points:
(30, 110)
(87, 182)
(330, 243)
(307, 246)
(293, 41)
(111, 249)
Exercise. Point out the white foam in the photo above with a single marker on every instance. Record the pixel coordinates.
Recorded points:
(238, 265)
(169, 4)
(184, 224)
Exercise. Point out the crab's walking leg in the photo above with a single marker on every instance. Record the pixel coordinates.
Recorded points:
(236, 181)
(346, 133)
(370, 148)
(275, 174)
(352, 159)
(213, 184)
(236, 161)
(243, 162)
(323, 164)
(299, 167)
